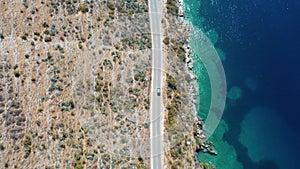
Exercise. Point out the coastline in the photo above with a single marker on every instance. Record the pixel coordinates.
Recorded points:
(225, 155)
(180, 121)
(207, 146)
(193, 88)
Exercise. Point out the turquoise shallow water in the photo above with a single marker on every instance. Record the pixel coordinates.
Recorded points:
(259, 125)
(225, 150)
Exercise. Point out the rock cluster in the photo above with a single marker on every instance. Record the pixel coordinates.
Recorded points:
(199, 131)
(189, 62)
(206, 146)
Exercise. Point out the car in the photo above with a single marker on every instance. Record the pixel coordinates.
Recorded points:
(158, 91)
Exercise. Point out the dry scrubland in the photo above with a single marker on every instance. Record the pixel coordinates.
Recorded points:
(75, 82)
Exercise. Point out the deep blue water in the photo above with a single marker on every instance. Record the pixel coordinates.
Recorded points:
(261, 39)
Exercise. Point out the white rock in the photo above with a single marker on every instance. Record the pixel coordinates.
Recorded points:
(190, 65)
(193, 77)
(187, 60)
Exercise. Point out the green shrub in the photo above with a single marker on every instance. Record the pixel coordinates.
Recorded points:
(166, 40)
(172, 7)
(98, 19)
(171, 82)
(79, 166)
(27, 141)
(40, 109)
(48, 39)
(83, 8)
(80, 46)
(46, 32)
(24, 37)
(17, 73)
(129, 14)
(45, 25)
(1, 146)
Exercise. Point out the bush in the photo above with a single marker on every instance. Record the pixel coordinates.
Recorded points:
(27, 141)
(166, 40)
(171, 82)
(79, 166)
(136, 77)
(17, 73)
(129, 14)
(1, 146)
(40, 109)
(172, 7)
(46, 32)
(45, 25)
(83, 8)
(80, 46)
(48, 39)
(24, 37)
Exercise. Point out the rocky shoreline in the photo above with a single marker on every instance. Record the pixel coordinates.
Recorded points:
(199, 134)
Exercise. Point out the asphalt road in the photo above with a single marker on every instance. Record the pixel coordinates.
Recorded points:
(156, 125)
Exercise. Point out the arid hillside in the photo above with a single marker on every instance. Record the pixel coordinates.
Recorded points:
(74, 84)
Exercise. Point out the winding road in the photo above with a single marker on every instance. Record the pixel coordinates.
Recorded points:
(156, 116)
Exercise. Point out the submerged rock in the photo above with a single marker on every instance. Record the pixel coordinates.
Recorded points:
(234, 93)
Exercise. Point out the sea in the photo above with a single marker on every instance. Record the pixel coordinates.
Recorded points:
(258, 43)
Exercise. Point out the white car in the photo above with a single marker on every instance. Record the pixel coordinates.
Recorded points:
(158, 91)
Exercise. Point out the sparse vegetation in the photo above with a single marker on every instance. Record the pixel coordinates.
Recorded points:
(171, 82)
(172, 7)
(179, 49)
(27, 145)
(84, 62)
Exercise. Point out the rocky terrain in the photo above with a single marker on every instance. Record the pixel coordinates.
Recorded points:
(180, 144)
(75, 80)
(184, 136)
